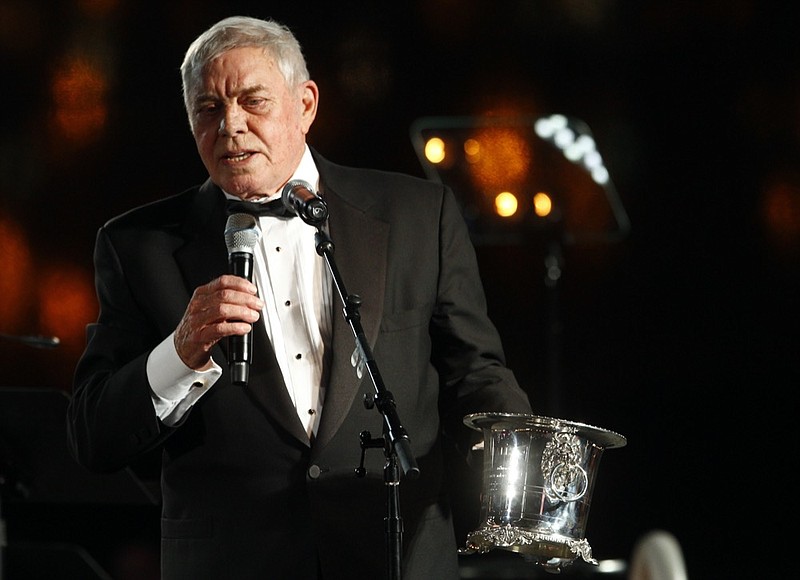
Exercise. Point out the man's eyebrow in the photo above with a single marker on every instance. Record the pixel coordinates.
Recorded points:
(205, 98)
(253, 89)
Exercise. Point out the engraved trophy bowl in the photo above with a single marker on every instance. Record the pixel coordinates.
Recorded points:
(538, 477)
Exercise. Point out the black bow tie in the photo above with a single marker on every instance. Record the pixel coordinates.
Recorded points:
(274, 208)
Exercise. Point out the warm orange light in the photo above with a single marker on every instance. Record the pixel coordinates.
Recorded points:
(66, 302)
(435, 150)
(504, 160)
(506, 204)
(79, 98)
(472, 149)
(542, 204)
(781, 211)
(98, 8)
(16, 268)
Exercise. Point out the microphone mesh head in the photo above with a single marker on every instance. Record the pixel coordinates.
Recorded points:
(242, 233)
(288, 190)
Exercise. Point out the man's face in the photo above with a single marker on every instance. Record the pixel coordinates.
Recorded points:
(249, 126)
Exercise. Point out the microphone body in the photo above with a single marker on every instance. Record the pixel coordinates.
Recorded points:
(241, 236)
(298, 197)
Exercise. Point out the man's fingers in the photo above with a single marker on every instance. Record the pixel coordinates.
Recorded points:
(226, 306)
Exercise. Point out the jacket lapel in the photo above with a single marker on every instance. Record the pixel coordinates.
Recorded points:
(360, 242)
(204, 257)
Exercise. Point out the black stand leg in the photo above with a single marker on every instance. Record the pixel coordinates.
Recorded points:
(554, 266)
(394, 522)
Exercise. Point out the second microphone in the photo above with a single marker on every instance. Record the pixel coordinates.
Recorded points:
(299, 198)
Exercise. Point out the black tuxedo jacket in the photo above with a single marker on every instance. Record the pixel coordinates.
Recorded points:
(245, 494)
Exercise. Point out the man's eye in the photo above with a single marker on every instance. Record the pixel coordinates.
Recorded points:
(254, 102)
(207, 109)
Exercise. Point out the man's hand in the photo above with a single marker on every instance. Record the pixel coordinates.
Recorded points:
(225, 306)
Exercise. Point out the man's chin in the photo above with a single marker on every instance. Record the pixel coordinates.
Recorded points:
(238, 186)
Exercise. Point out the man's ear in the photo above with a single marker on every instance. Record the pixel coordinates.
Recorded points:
(309, 100)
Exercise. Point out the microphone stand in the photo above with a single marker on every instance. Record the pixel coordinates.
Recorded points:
(395, 442)
(34, 341)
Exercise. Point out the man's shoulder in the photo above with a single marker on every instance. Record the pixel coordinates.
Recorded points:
(366, 186)
(159, 213)
(348, 173)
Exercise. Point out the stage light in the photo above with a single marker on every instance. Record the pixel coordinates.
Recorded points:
(575, 141)
(472, 148)
(564, 138)
(580, 147)
(435, 150)
(506, 204)
(551, 164)
(546, 127)
(66, 301)
(600, 175)
(79, 90)
(542, 204)
(16, 272)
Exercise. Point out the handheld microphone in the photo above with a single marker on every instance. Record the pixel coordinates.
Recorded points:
(299, 198)
(241, 236)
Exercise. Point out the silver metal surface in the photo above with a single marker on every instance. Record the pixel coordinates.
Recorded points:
(538, 477)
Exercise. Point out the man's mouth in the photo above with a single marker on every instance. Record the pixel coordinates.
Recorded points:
(237, 157)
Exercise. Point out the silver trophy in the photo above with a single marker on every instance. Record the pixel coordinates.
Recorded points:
(538, 477)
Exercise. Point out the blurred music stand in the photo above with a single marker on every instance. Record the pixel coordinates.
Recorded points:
(37, 468)
(482, 157)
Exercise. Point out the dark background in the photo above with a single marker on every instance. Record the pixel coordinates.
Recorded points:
(682, 336)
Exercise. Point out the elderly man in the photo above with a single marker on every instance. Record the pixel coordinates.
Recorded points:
(258, 480)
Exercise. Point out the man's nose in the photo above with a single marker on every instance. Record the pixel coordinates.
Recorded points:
(233, 122)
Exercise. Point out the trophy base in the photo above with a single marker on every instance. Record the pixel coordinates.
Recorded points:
(551, 551)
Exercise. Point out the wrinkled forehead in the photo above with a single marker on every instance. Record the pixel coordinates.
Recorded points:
(278, 73)
(238, 69)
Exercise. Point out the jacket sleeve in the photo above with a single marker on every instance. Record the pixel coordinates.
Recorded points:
(467, 349)
(111, 419)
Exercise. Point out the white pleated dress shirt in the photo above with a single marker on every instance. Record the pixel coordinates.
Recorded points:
(295, 285)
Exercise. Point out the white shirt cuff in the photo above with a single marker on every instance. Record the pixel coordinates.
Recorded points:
(176, 387)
